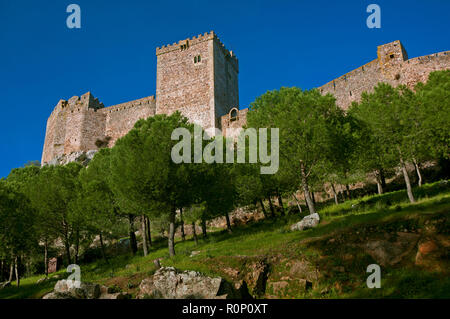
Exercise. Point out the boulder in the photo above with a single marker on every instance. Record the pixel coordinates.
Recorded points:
(309, 221)
(116, 295)
(58, 295)
(85, 290)
(195, 252)
(169, 283)
(392, 250)
(256, 276)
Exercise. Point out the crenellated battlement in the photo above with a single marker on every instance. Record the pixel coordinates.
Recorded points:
(392, 66)
(143, 102)
(189, 42)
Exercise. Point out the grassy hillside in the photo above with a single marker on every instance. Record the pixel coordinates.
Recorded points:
(328, 261)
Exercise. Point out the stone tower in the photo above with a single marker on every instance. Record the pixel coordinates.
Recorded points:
(199, 78)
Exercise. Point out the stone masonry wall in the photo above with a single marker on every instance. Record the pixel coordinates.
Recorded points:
(391, 66)
(206, 92)
(121, 118)
(77, 124)
(233, 122)
(202, 90)
(183, 84)
(226, 91)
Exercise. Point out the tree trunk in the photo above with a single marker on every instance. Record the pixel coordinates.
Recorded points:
(313, 198)
(379, 187)
(407, 181)
(272, 210)
(280, 202)
(149, 232)
(133, 242)
(183, 235)
(17, 266)
(382, 178)
(419, 174)
(263, 208)
(77, 245)
(1, 270)
(172, 233)
(379, 180)
(144, 235)
(204, 228)
(102, 247)
(11, 270)
(309, 202)
(67, 247)
(298, 204)
(334, 194)
(46, 257)
(194, 233)
(347, 188)
(227, 217)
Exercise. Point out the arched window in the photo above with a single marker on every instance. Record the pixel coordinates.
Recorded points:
(195, 59)
(233, 114)
(199, 59)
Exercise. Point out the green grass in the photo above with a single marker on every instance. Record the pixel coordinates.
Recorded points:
(270, 237)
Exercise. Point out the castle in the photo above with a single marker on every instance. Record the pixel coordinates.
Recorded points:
(199, 77)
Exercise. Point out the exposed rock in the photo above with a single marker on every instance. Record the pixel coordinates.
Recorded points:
(309, 221)
(195, 252)
(241, 290)
(84, 291)
(116, 295)
(256, 277)
(433, 254)
(168, 283)
(391, 251)
(278, 286)
(58, 295)
(42, 280)
(81, 157)
(157, 263)
(232, 272)
(427, 247)
(302, 269)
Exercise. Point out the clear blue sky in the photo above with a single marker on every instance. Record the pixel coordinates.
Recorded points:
(278, 43)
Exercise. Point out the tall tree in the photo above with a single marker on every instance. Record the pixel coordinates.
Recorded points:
(144, 177)
(16, 226)
(304, 119)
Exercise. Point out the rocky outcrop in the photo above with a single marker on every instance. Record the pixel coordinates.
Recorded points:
(81, 157)
(432, 253)
(308, 221)
(256, 277)
(393, 249)
(64, 289)
(169, 283)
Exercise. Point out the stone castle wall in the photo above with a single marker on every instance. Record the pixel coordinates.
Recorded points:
(77, 125)
(196, 76)
(206, 91)
(121, 118)
(391, 66)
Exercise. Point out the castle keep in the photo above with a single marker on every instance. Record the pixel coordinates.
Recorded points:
(199, 78)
